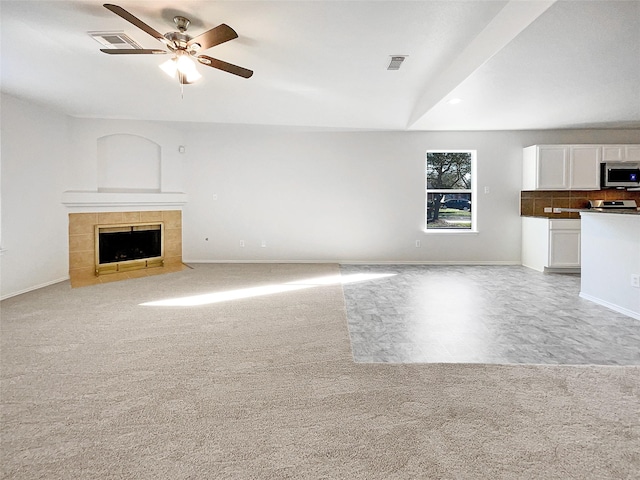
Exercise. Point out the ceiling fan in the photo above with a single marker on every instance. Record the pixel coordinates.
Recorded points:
(184, 47)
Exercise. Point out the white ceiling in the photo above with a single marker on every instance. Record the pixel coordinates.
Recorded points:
(514, 64)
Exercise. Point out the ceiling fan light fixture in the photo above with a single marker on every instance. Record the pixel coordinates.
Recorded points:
(170, 67)
(187, 67)
(182, 65)
(193, 76)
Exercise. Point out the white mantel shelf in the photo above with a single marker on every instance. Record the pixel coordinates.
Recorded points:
(83, 200)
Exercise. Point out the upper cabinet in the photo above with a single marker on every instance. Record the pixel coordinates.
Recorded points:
(584, 167)
(620, 153)
(561, 167)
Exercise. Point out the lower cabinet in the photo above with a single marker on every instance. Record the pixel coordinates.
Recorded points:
(549, 244)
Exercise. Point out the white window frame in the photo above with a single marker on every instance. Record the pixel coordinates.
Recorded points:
(473, 190)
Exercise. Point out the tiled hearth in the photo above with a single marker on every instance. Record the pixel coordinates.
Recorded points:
(82, 246)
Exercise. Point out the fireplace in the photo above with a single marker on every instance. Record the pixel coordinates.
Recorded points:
(86, 267)
(126, 247)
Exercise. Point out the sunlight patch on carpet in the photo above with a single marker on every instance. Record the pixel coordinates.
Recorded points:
(251, 292)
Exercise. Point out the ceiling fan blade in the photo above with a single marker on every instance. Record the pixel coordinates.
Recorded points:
(137, 22)
(220, 34)
(227, 67)
(132, 51)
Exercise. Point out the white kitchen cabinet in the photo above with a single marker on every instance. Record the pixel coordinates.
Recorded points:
(632, 153)
(584, 167)
(620, 153)
(551, 245)
(545, 167)
(561, 167)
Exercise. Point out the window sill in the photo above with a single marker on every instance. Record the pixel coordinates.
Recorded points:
(450, 232)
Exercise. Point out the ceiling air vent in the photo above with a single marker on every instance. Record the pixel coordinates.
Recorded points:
(114, 39)
(396, 61)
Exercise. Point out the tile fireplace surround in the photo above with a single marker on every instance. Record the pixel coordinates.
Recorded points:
(82, 246)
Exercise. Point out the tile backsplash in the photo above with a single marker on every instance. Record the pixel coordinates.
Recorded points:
(533, 203)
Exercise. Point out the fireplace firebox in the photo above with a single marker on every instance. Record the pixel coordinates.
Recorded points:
(128, 247)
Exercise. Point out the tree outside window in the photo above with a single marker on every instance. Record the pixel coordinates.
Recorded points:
(449, 190)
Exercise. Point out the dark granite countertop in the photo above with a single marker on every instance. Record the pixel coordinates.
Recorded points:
(610, 211)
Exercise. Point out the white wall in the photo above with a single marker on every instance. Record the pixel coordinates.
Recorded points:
(84, 156)
(334, 196)
(349, 196)
(311, 195)
(129, 163)
(33, 221)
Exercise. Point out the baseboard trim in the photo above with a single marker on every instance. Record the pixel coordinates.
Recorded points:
(427, 262)
(35, 287)
(562, 270)
(188, 261)
(363, 262)
(611, 306)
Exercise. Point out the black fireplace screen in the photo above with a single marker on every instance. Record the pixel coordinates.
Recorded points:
(119, 244)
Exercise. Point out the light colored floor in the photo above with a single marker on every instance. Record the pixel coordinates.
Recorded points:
(482, 314)
(256, 380)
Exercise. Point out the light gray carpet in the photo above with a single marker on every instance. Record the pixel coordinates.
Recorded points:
(97, 386)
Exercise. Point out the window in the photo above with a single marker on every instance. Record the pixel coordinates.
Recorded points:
(450, 190)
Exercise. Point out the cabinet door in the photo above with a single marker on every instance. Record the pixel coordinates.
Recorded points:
(632, 153)
(553, 168)
(564, 248)
(620, 153)
(612, 153)
(584, 167)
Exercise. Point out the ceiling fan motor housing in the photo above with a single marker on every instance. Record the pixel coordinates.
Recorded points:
(181, 42)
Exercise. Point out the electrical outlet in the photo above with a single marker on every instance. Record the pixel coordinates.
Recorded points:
(635, 280)
(215, 196)
(242, 243)
(264, 243)
(548, 209)
(487, 190)
(556, 210)
(417, 243)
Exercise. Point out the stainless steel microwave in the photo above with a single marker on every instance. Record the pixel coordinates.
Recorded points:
(619, 174)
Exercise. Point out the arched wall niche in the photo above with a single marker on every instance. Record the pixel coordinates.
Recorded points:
(128, 163)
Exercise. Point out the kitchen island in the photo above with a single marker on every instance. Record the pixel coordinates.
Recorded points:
(610, 260)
